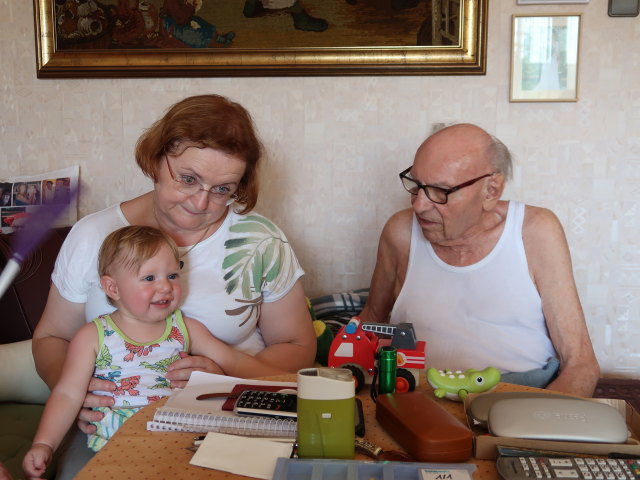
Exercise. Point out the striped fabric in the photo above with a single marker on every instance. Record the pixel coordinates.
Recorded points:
(337, 309)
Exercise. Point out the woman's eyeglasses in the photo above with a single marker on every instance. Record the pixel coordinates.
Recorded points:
(189, 185)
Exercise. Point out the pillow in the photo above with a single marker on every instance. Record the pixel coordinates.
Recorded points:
(18, 377)
(18, 427)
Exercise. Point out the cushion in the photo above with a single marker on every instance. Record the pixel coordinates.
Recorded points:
(22, 399)
(18, 377)
(340, 304)
(18, 426)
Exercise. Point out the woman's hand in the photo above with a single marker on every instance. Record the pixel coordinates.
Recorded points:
(180, 370)
(87, 415)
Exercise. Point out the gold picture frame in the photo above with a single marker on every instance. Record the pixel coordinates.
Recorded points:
(466, 57)
(545, 58)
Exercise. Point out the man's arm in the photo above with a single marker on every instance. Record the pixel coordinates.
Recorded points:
(391, 267)
(550, 265)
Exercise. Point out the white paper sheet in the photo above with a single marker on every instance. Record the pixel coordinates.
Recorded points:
(249, 456)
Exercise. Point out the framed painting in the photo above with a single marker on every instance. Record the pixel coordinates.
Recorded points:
(544, 59)
(548, 2)
(181, 38)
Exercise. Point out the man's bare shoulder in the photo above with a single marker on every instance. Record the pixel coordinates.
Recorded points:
(540, 222)
(397, 230)
(543, 235)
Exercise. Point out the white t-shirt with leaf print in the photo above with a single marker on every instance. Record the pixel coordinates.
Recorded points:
(225, 278)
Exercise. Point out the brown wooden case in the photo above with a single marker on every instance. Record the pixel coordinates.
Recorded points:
(423, 428)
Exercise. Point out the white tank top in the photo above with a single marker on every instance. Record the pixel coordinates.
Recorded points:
(488, 314)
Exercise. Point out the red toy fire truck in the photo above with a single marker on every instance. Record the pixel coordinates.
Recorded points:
(355, 346)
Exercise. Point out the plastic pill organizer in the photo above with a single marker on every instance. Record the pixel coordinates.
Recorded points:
(324, 469)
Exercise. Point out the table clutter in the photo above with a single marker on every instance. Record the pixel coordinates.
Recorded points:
(322, 469)
(326, 413)
(220, 451)
(556, 423)
(136, 452)
(423, 428)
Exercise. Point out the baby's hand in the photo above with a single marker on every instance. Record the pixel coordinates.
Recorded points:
(180, 371)
(36, 460)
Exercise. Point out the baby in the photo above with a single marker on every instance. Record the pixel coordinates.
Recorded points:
(133, 346)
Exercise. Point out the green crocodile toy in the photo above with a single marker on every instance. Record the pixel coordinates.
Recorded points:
(457, 385)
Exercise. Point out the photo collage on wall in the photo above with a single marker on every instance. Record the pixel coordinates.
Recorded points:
(20, 196)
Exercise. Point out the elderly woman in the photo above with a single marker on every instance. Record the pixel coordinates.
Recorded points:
(241, 278)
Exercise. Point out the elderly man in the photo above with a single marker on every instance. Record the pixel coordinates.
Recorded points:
(485, 282)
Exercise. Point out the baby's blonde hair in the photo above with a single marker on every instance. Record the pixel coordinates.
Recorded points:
(132, 246)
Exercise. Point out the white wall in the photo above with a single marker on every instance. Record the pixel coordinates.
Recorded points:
(336, 145)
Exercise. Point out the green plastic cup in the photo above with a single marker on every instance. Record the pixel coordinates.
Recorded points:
(326, 413)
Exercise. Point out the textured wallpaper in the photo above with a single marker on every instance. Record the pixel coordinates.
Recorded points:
(336, 145)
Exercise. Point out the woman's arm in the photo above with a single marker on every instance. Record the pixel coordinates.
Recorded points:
(60, 320)
(290, 341)
(288, 333)
(228, 359)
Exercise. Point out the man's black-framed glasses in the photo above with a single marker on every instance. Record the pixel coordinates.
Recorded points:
(436, 194)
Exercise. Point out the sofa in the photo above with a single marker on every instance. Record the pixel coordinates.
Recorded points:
(22, 392)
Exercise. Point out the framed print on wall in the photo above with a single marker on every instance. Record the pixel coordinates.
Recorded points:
(548, 2)
(544, 58)
(189, 38)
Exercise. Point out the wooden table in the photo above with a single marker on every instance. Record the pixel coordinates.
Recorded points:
(136, 454)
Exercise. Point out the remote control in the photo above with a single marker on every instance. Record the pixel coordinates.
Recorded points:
(537, 467)
(269, 404)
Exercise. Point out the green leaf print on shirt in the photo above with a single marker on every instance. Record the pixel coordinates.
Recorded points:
(161, 383)
(104, 358)
(257, 257)
(162, 365)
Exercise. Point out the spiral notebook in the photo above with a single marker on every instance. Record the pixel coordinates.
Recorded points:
(184, 413)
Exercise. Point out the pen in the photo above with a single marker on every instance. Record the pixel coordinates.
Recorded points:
(197, 440)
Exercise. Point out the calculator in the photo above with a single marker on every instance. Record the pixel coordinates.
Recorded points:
(267, 404)
(538, 467)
